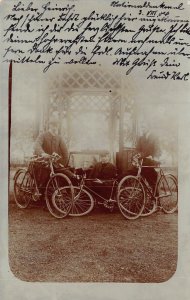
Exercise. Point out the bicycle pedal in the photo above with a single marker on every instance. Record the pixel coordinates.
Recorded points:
(111, 201)
(164, 195)
(38, 194)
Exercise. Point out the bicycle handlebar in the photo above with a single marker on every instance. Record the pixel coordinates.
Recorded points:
(137, 161)
(50, 158)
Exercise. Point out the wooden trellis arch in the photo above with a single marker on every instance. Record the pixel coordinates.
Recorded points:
(73, 90)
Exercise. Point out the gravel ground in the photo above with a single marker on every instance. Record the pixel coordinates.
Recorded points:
(100, 247)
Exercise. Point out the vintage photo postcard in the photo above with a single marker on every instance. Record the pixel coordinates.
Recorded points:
(95, 118)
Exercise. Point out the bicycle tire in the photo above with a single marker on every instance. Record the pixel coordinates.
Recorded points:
(83, 203)
(131, 197)
(22, 188)
(168, 193)
(150, 205)
(54, 194)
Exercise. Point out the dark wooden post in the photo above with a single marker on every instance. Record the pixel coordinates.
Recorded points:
(9, 105)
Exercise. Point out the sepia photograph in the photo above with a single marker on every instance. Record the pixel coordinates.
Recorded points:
(94, 166)
(93, 191)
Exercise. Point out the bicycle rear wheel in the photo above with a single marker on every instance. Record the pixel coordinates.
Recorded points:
(131, 197)
(59, 195)
(23, 188)
(168, 193)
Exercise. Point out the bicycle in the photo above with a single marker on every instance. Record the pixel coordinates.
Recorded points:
(164, 196)
(86, 197)
(27, 189)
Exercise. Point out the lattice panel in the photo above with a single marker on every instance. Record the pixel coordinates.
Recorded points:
(62, 85)
(129, 124)
(85, 79)
(87, 121)
(90, 102)
(74, 91)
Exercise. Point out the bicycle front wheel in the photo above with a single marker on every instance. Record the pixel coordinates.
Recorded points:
(23, 188)
(59, 195)
(83, 203)
(150, 204)
(131, 197)
(168, 193)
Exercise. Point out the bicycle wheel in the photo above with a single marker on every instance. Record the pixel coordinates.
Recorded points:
(131, 197)
(83, 203)
(59, 195)
(168, 193)
(22, 188)
(150, 204)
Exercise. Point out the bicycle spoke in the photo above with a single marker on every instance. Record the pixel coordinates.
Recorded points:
(168, 194)
(83, 202)
(22, 188)
(59, 195)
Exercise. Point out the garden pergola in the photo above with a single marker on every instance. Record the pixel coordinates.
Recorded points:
(95, 110)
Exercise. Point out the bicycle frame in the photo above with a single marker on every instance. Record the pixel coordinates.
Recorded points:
(31, 170)
(159, 178)
(33, 176)
(91, 191)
